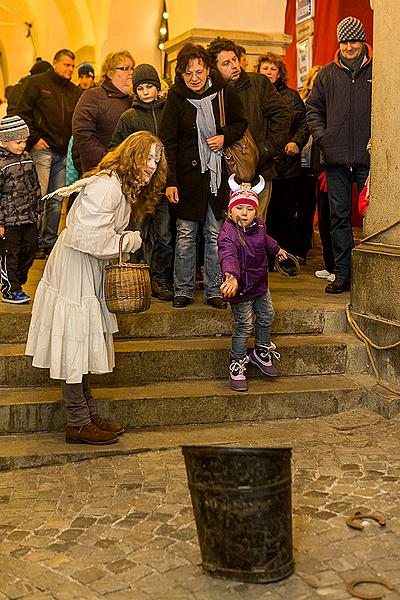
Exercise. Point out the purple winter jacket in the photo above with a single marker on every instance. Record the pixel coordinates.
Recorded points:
(248, 262)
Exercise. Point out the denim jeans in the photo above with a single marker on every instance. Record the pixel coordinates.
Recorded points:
(51, 170)
(243, 313)
(340, 181)
(185, 257)
(163, 252)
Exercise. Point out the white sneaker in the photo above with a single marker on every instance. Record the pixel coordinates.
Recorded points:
(331, 277)
(324, 274)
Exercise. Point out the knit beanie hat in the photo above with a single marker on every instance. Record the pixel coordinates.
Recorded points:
(145, 74)
(13, 129)
(243, 196)
(40, 66)
(86, 69)
(351, 29)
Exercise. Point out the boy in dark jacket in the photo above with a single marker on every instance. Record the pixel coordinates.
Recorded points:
(145, 115)
(243, 245)
(19, 206)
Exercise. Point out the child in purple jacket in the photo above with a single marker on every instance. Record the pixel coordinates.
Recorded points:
(243, 245)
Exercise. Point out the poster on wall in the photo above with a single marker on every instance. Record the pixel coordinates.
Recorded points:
(304, 59)
(304, 10)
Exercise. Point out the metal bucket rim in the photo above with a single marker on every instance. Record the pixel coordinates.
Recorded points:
(203, 449)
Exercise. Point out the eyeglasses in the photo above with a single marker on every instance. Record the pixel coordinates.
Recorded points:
(125, 68)
(190, 75)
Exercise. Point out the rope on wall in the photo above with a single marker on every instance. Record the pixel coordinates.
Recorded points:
(363, 336)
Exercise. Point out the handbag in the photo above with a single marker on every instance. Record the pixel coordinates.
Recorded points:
(241, 157)
(127, 286)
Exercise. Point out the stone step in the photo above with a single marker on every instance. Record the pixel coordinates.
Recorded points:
(184, 402)
(149, 360)
(163, 321)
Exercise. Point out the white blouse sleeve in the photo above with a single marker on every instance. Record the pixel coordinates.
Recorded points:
(91, 226)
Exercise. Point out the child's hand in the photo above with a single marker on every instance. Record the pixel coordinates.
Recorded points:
(282, 254)
(1, 231)
(230, 286)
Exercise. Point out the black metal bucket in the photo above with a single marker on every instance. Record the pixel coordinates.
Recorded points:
(242, 505)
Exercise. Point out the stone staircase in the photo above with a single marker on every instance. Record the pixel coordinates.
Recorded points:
(171, 369)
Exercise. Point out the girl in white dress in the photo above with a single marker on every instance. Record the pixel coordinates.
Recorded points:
(71, 329)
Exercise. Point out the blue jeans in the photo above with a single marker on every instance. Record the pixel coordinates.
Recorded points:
(185, 257)
(163, 252)
(51, 170)
(243, 313)
(340, 181)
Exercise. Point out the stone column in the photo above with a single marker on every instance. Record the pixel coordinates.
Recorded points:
(376, 263)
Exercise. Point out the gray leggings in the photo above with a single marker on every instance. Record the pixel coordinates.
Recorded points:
(79, 402)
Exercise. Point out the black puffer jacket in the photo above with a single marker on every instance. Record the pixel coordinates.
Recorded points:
(19, 189)
(46, 105)
(94, 121)
(178, 132)
(141, 117)
(339, 112)
(268, 117)
(290, 166)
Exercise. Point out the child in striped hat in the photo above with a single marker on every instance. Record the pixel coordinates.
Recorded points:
(19, 208)
(243, 246)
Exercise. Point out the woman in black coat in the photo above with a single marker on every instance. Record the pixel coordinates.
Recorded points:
(197, 185)
(287, 186)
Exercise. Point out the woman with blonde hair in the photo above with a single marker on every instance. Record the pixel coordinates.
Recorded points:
(98, 109)
(71, 330)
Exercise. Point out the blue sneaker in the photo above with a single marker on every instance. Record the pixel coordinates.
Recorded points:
(16, 297)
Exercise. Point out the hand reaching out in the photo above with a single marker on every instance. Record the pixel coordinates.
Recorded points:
(230, 286)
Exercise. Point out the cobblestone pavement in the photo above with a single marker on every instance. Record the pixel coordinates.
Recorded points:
(122, 527)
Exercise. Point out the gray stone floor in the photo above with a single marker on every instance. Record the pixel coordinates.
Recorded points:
(121, 527)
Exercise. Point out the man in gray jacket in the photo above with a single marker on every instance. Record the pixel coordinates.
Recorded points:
(339, 118)
(263, 107)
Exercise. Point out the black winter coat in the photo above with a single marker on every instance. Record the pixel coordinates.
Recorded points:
(94, 121)
(19, 189)
(268, 117)
(178, 132)
(290, 166)
(46, 105)
(339, 113)
(141, 116)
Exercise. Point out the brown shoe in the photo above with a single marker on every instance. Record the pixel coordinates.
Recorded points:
(89, 434)
(107, 425)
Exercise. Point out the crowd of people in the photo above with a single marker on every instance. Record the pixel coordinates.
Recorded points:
(152, 159)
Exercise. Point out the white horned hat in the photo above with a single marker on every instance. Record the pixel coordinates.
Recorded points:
(243, 193)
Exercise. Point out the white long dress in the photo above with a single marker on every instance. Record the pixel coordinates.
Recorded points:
(71, 328)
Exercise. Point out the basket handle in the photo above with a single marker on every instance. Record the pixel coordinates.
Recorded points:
(120, 253)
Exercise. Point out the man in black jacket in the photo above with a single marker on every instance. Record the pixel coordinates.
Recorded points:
(46, 105)
(339, 118)
(263, 107)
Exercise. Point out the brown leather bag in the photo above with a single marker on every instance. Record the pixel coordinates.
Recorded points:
(241, 157)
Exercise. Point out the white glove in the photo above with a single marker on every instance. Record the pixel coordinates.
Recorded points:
(132, 241)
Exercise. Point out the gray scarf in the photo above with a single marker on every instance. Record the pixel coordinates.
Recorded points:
(206, 128)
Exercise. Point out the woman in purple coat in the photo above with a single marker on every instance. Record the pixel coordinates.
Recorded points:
(243, 245)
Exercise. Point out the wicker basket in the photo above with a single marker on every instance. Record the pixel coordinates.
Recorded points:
(127, 287)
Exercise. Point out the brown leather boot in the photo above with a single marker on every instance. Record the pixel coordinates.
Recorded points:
(89, 434)
(107, 425)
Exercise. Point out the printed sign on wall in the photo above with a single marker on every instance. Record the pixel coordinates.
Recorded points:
(304, 10)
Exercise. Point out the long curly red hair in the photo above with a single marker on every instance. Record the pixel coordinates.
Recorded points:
(127, 161)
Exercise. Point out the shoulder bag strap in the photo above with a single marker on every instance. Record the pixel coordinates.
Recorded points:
(221, 107)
